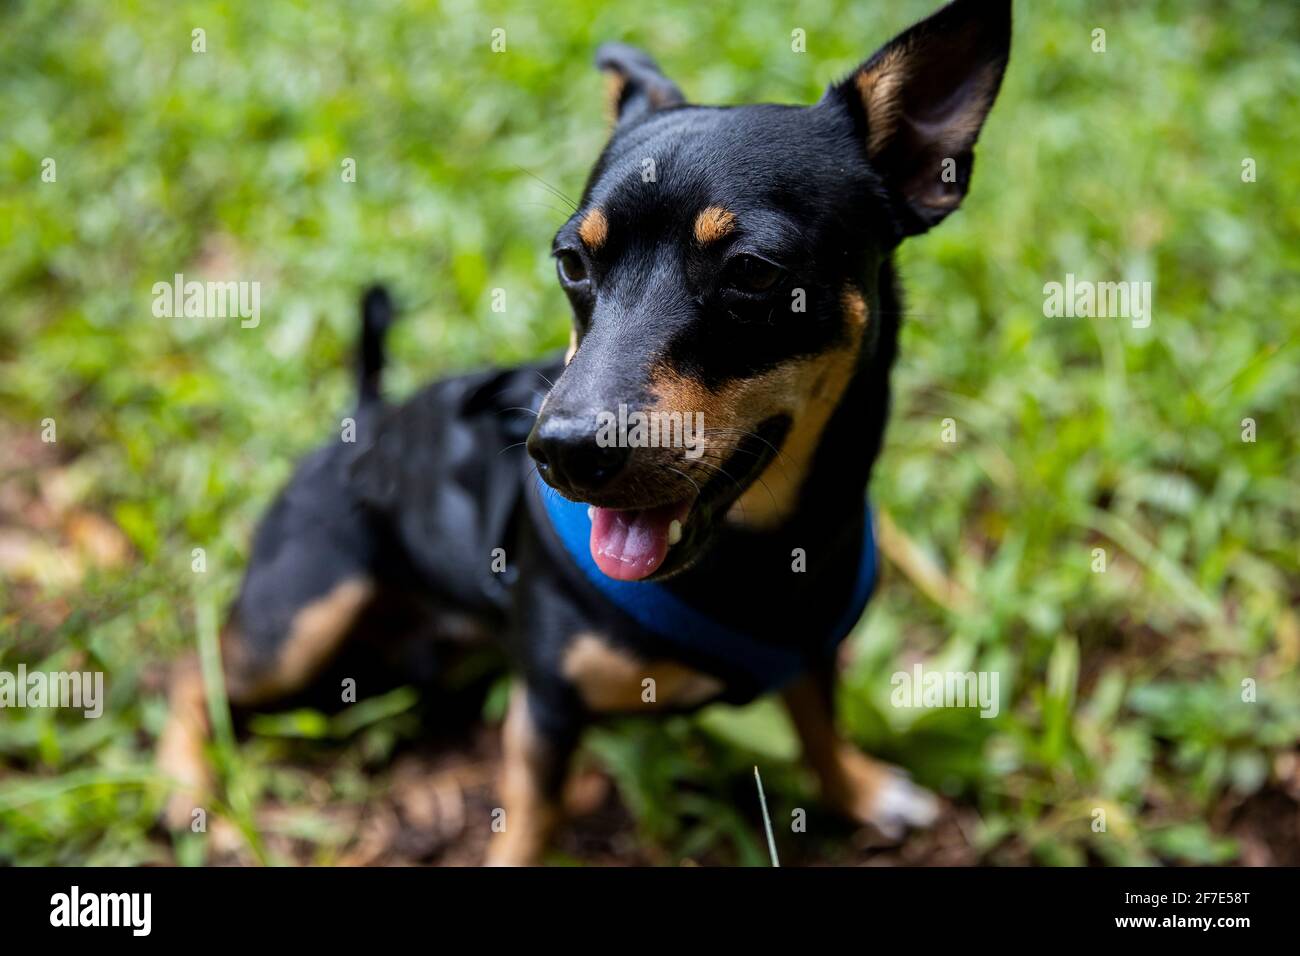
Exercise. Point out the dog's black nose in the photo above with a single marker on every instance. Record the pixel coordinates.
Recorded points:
(571, 457)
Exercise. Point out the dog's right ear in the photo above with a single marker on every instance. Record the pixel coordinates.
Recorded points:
(635, 86)
(921, 100)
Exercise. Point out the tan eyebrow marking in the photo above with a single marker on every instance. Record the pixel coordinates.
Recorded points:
(713, 223)
(594, 229)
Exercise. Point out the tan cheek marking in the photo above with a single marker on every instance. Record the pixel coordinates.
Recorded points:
(611, 680)
(713, 224)
(808, 390)
(768, 501)
(573, 346)
(823, 381)
(593, 229)
(735, 407)
(682, 393)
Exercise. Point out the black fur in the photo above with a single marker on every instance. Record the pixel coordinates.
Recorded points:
(435, 484)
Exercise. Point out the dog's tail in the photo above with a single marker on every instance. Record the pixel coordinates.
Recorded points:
(376, 317)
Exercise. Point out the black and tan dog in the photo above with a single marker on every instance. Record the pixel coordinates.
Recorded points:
(730, 267)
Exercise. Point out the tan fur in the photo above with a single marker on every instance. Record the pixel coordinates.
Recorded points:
(851, 781)
(806, 389)
(610, 680)
(594, 229)
(614, 83)
(881, 92)
(879, 88)
(318, 629)
(530, 814)
(714, 223)
(855, 308)
(572, 350)
(316, 632)
(180, 754)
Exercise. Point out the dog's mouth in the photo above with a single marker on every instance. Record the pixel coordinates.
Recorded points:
(657, 542)
(631, 544)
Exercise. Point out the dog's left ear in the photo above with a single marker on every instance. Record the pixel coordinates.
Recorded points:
(920, 102)
(635, 84)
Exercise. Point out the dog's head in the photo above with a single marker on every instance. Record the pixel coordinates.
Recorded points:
(722, 268)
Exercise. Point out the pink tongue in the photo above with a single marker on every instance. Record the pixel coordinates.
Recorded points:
(630, 545)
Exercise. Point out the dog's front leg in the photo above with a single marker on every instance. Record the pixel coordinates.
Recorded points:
(534, 763)
(864, 790)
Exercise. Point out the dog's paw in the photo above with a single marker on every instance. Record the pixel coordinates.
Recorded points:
(878, 795)
(901, 805)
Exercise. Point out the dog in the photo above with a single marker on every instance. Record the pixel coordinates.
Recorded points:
(727, 267)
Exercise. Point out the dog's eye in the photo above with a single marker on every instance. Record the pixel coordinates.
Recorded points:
(572, 268)
(752, 274)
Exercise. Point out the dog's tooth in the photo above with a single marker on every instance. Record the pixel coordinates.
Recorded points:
(591, 512)
(674, 532)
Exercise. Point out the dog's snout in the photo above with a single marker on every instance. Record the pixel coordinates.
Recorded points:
(570, 455)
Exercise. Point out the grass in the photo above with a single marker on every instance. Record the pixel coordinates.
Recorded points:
(1122, 690)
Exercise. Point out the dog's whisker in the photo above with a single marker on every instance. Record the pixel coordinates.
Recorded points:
(555, 209)
(726, 455)
(758, 479)
(554, 191)
(721, 471)
(511, 388)
(749, 434)
(698, 491)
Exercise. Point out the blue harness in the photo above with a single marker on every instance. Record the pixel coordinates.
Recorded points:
(658, 610)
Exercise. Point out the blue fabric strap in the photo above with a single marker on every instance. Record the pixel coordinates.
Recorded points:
(661, 612)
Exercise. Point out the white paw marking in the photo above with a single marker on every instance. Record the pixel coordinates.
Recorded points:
(901, 804)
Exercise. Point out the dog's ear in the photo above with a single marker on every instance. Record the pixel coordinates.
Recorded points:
(920, 102)
(635, 86)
